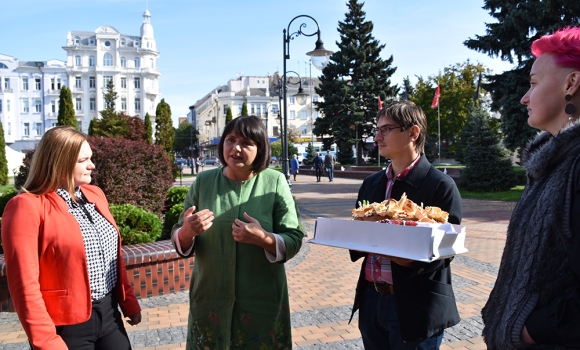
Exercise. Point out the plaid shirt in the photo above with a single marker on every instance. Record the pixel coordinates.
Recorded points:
(101, 243)
(378, 269)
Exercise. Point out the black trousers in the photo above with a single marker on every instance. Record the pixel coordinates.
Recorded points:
(318, 173)
(103, 331)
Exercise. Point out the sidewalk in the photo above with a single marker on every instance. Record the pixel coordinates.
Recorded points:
(321, 280)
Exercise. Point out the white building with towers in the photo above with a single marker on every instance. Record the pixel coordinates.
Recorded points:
(29, 91)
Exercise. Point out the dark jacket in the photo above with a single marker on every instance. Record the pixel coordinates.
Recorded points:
(424, 296)
(318, 161)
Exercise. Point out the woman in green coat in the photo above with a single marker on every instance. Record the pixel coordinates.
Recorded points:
(240, 222)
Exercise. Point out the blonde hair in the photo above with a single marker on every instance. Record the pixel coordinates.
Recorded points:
(54, 161)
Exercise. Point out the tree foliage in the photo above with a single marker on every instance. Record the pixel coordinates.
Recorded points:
(3, 160)
(277, 149)
(229, 116)
(110, 124)
(164, 131)
(488, 164)
(66, 109)
(185, 138)
(457, 86)
(519, 23)
(352, 82)
(310, 154)
(148, 129)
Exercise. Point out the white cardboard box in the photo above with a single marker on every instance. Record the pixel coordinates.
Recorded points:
(427, 242)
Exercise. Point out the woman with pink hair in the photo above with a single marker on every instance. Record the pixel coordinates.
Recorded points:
(536, 298)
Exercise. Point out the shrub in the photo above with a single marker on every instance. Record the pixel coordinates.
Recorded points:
(176, 195)
(4, 198)
(136, 225)
(132, 172)
(171, 218)
(22, 174)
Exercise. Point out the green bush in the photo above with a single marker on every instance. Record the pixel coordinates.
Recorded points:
(4, 198)
(171, 218)
(136, 225)
(176, 195)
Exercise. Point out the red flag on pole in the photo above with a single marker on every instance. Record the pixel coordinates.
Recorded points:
(435, 102)
(380, 103)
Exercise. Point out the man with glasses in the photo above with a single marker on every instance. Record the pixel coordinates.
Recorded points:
(405, 304)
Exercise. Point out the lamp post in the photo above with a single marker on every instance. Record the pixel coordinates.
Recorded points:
(320, 58)
(192, 154)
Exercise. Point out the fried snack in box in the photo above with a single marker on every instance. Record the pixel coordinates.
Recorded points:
(403, 209)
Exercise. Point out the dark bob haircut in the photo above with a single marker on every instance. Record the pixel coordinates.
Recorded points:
(407, 114)
(251, 128)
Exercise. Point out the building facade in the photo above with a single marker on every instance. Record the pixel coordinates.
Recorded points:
(30, 91)
(263, 99)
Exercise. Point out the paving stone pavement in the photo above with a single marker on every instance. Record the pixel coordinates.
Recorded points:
(322, 279)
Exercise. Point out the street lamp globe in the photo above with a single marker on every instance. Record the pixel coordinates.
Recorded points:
(320, 56)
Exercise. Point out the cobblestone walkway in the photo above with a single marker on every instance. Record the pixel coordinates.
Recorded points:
(321, 281)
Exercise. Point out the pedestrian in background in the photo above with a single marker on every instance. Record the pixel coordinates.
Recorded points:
(329, 161)
(241, 224)
(318, 166)
(63, 252)
(536, 297)
(294, 166)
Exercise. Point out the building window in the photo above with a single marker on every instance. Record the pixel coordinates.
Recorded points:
(78, 61)
(137, 83)
(292, 100)
(78, 104)
(77, 41)
(108, 60)
(26, 129)
(292, 115)
(25, 108)
(303, 130)
(314, 115)
(92, 82)
(92, 41)
(225, 109)
(240, 109)
(24, 83)
(107, 79)
(58, 83)
(123, 104)
(37, 106)
(151, 104)
(315, 98)
(252, 109)
(0, 105)
(264, 109)
(37, 84)
(123, 62)
(78, 82)
(53, 106)
(275, 109)
(92, 104)
(80, 124)
(7, 83)
(275, 131)
(92, 61)
(52, 83)
(9, 128)
(53, 124)
(123, 83)
(7, 105)
(137, 62)
(152, 63)
(303, 115)
(39, 129)
(137, 104)
(123, 42)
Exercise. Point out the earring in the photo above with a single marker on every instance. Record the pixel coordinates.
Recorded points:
(570, 108)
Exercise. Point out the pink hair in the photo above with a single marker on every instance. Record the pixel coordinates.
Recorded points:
(563, 44)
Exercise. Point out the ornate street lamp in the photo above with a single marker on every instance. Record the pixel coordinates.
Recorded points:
(320, 58)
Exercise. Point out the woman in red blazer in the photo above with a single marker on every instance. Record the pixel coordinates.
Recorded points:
(63, 252)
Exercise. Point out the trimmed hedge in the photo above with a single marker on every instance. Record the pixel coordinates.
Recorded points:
(136, 225)
(176, 195)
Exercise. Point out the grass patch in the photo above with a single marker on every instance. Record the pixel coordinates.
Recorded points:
(512, 195)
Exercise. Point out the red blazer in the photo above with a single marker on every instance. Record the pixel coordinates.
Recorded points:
(46, 265)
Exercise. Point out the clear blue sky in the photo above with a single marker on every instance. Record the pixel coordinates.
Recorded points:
(204, 43)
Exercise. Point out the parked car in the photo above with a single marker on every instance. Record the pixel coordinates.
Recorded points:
(210, 161)
(181, 161)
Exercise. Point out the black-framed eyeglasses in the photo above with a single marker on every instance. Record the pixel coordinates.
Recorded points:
(385, 129)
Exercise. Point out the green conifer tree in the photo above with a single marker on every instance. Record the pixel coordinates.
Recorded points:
(310, 154)
(488, 166)
(164, 131)
(229, 116)
(351, 84)
(111, 124)
(66, 110)
(149, 127)
(3, 160)
(244, 109)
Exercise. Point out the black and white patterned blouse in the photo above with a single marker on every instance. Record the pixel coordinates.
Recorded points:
(101, 243)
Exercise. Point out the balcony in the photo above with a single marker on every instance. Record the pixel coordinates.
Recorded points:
(78, 89)
(53, 92)
(6, 91)
(151, 91)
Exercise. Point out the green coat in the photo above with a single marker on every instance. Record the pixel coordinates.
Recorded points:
(238, 299)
